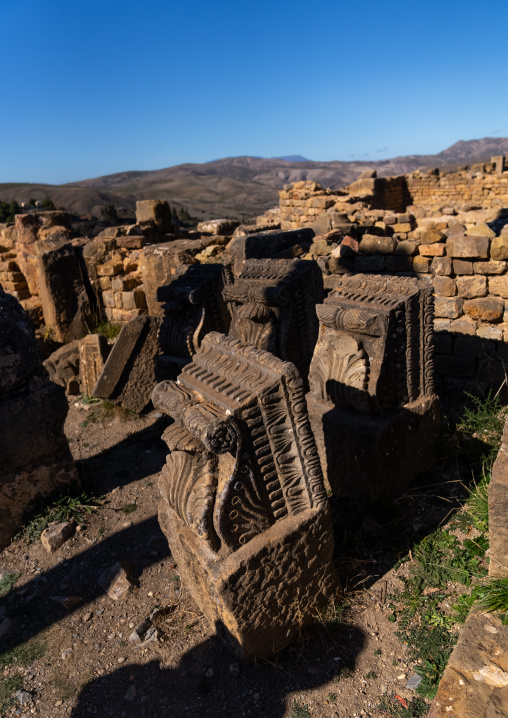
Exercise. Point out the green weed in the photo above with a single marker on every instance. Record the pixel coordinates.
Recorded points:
(371, 675)
(484, 420)
(492, 596)
(129, 508)
(7, 583)
(62, 508)
(24, 654)
(397, 707)
(110, 330)
(299, 711)
(8, 687)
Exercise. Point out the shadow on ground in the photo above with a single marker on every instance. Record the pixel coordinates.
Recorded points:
(208, 682)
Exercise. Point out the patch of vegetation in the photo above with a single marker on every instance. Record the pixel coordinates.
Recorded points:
(371, 675)
(492, 596)
(377, 652)
(24, 654)
(7, 583)
(9, 211)
(129, 508)
(104, 410)
(63, 507)
(331, 698)
(110, 330)
(484, 420)
(299, 711)
(8, 687)
(398, 707)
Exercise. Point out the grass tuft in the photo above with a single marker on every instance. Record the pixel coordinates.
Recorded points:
(66, 507)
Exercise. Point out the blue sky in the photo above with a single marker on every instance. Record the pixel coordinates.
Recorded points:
(103, 86)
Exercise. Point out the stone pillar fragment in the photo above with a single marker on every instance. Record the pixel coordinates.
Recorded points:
(128, 376)
(193, 307)
(372, 402)
(34, 454)
(273, 305)
(242, 497)
(93, 352)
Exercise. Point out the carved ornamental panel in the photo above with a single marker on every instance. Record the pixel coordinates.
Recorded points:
(375, 349)
(242, 452)
(193, 306)
(273, 307)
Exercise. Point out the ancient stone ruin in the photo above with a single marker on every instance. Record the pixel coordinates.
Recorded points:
(193, 306)
(372, 401)
(243, 502)
(273, 307)
(34, 454)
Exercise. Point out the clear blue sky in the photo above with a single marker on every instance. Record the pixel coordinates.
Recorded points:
(102, 86)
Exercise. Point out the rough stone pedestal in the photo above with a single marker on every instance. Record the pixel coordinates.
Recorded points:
(35, 459)
(367, 459)
(243, 503)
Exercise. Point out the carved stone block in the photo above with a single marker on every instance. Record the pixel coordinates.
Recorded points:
(93, 352)
(273, 306)
(243, 502)
(372, 402)
(193, 307)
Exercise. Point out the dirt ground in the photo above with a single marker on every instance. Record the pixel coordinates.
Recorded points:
(89, 667)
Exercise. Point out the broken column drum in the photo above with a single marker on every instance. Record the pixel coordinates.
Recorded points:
(372, 401)
(273, 305)
(243, 501)
(193, 306)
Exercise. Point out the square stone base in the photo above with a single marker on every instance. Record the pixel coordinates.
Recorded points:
(367, 459)
(261, 596)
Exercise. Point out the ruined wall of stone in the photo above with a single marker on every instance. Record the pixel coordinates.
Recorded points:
(479, 186)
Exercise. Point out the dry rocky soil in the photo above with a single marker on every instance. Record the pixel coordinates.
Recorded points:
(74, 637)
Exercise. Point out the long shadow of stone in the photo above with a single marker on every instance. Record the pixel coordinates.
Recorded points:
(192, 689)
(33, 607)
(138, 455)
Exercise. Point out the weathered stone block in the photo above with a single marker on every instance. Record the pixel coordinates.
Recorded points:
(443, 343)
(402, 227)
(158, 264)
(371, 375)
(463, 325)
(463, 267)
(371, 244)
(430, 236)
(432, 250)
(400, 263)
(440, 265)
(128, 376)
(421, 265)
(471, 287)
(218, 226)
(470, 346)
(264, 245)
(243, 502)
(65, 303)
(468, 247)
(156, 211)
(498, 511)
(487, 309)
(134, 300)
(475, 680)
(273, 307)
(63, 367)
(489, 267)
(481, 230)
(444, 286)
(93, 352)
(499, 248)
(448, 307)
(488, 332)
(442, 325)
(406, 247)
(110, 269)
(499, 286)
(35, 457)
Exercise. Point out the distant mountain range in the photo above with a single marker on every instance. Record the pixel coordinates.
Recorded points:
(240, 187)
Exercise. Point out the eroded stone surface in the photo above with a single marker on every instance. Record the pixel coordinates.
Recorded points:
(475, 681)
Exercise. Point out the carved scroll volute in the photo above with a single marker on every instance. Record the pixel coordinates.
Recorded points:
(217, 432)
(349, 319)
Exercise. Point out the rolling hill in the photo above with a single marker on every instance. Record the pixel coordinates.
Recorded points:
(236, 186)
